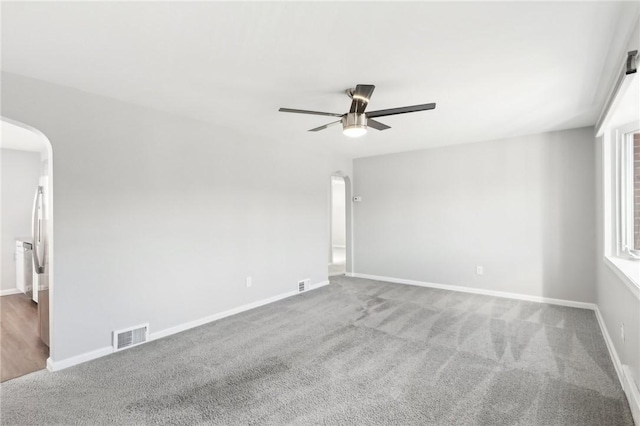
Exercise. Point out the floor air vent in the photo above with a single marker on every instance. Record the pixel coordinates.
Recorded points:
(303, 285)
(129, 337)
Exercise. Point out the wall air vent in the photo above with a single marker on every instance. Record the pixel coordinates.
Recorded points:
(129, 337)
(304, 285)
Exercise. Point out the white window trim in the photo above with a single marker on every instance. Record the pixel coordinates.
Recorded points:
(616, 195)
(627, 271)
(623, 170)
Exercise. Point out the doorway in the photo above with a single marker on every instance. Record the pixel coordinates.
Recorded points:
(338, 236)
(26, 249)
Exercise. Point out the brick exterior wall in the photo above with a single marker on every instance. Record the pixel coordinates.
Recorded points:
(636, 190)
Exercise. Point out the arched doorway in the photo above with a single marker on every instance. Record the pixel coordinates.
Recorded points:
(340, 225)
(27, 229)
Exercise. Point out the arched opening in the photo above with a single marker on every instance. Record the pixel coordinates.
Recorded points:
(27, 249)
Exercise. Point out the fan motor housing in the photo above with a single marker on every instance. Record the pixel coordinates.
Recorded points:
(354, 120)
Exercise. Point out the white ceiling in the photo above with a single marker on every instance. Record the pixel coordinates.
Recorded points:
(21, 139)
(495, 69)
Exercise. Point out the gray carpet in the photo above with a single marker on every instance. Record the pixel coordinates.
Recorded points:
(355, 352)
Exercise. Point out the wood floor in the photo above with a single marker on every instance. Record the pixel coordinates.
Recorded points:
(21, 351)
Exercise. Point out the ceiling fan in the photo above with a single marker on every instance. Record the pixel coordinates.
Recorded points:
(355, 122)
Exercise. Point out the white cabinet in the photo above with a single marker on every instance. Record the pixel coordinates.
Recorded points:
(24, 267)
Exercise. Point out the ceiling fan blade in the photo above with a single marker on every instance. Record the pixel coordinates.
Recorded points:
(304, 111)
(401, 110)
(325, 126)
(377, 125)
(361, 96)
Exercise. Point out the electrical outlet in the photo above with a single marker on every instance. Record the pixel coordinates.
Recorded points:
(622, 331)
(249, 282)
(480, 270)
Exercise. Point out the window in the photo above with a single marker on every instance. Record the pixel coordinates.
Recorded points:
(619, 130)
(636, 192)
(627, 190)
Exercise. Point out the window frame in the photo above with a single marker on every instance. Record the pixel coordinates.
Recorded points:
(625, 268)
(623, 199)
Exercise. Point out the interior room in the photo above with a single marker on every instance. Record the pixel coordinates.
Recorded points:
(416, 213)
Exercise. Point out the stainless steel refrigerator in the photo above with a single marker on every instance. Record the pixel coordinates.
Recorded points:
(41, 257)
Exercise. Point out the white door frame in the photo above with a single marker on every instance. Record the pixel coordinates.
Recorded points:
(349, 220)
(50, 235)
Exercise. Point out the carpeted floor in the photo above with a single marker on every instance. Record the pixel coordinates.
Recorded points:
(354, 352)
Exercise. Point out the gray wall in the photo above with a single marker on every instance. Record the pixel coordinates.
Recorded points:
(522, 208)
(19, 173)
(160, 219)
(616, 302)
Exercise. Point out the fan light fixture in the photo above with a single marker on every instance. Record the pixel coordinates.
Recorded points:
(356, 122)
(354, 131)
(354, 125)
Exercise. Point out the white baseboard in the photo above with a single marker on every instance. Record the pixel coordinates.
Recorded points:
(632, 392)
(518, 296)
(78, 359)
(9, 292)
(320, 284)
(624, 375)
(230, 312)
(612, 349)
(192, 324)
(88, 356)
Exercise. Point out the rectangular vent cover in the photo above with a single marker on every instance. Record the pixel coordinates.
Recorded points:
(129, 337)
(304, 285)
